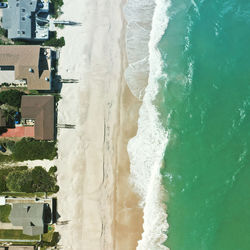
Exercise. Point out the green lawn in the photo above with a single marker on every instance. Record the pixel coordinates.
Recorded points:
(50, 239)
(5, 158)
(4, 213)
(16, 235)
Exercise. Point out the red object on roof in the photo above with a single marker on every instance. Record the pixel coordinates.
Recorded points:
(19, 132)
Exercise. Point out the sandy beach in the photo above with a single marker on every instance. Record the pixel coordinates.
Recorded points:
(96, 204)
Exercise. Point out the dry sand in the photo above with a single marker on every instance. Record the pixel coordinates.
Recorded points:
(96, 204)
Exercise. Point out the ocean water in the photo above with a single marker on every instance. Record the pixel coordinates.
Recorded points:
(204, 105)
(189, 61)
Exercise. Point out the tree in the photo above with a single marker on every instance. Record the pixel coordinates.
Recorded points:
(42, 181)
(52, 170)
(30, 149)
(20, 181)
(3, 187)
(29, 181)
(54, 41)
(11, 97)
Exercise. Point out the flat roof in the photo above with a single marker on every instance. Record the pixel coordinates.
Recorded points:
(20, 19)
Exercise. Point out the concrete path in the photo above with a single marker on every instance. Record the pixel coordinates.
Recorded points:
(7, 226)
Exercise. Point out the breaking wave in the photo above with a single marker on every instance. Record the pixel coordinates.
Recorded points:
(138, 14)
(147, 22)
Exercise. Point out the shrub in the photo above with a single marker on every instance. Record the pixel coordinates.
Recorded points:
(3, 176)
(52, 170)
(56, 7)
(42, 181)
(20, 181)
(3, 187)
(10, 145)
(29, 181)
(31, 149)
(56, 189)
(11, 97)
(3, 32)
(54, 41)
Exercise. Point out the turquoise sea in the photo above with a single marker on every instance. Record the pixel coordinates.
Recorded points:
(204, 105)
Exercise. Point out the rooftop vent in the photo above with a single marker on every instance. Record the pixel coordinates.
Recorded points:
(31, 70)
(46, 79)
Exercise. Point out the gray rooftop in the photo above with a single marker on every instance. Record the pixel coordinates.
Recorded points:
(20, 18)
(29, 216)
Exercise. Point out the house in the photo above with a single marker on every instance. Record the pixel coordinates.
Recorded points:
(38, 111)
(2, 119)
(33, 217)
(30, 64)
(26, 19)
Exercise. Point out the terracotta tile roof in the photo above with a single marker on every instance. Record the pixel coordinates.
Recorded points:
(29, 64)
(40, 109)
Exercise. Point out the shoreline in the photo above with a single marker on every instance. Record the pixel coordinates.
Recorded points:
(95, 203)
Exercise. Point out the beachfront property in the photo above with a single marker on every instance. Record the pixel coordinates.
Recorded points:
(38, 112)
(25, 66)
(27, 19)
(37, 119)
(32, 217)
(29, 214)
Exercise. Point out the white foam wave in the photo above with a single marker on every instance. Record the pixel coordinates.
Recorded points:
(138, 14)
(146, 149)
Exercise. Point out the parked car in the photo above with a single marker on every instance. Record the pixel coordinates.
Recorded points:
(3, 5)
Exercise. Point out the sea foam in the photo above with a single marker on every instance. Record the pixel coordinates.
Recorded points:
(138, 14)
(146, 149)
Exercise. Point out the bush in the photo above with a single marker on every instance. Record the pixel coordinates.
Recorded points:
(52, 170)
(54, 41)
(56, 7)
(3, 176)
(30, 181)
(50, 239)
(21, 42)
(31, 149)
(3, 187)
(3, 32)
(11, 97)
(42, 180)
(56, 189)
(20, 181)
(10, 145)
